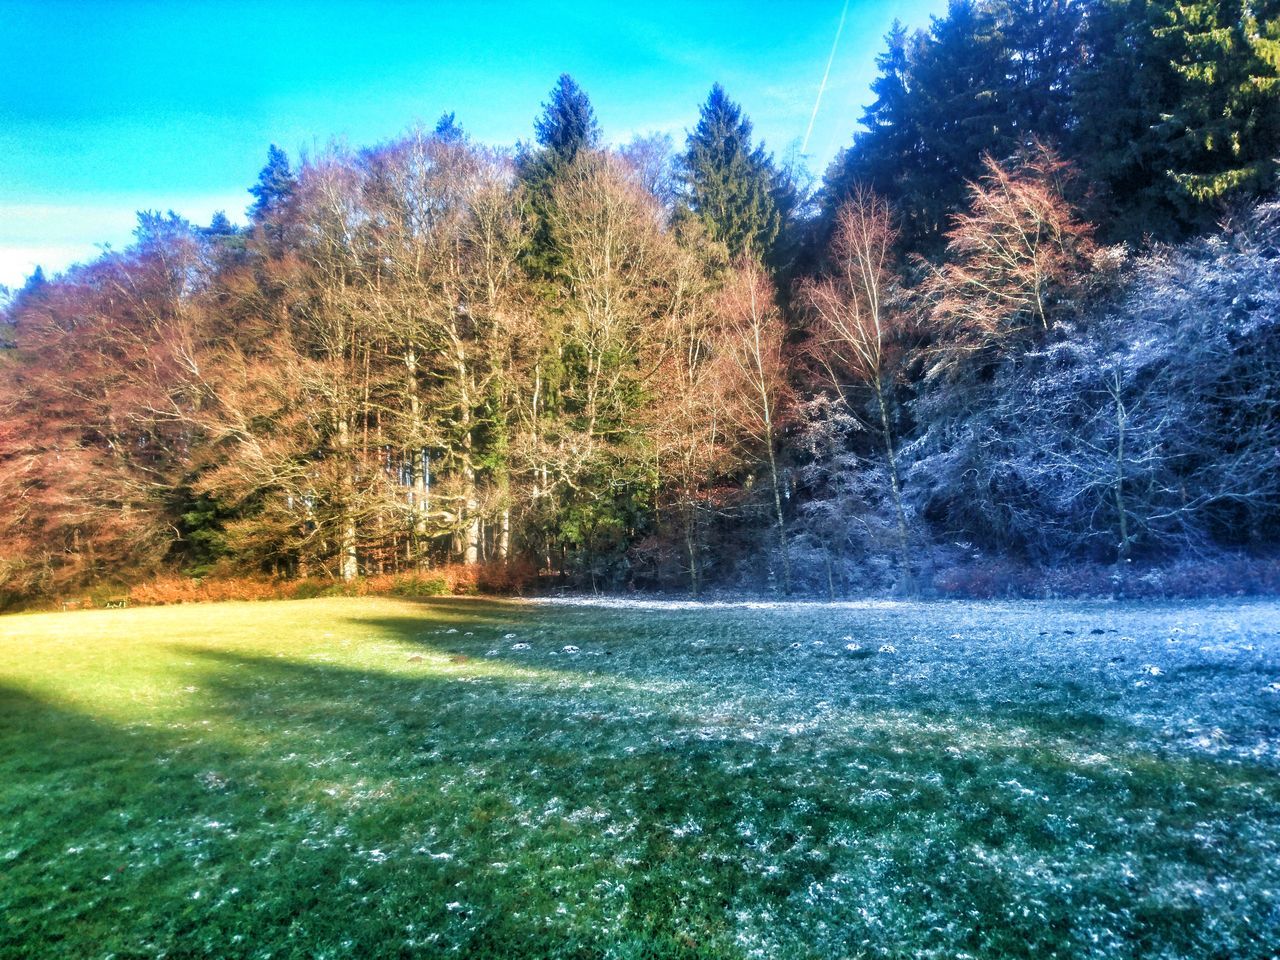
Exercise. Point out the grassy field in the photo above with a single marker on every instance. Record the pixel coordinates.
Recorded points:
(379, 778)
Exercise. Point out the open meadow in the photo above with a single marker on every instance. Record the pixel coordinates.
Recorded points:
(385, 778)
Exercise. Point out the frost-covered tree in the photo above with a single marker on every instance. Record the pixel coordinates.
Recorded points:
(1142, 432)
(846, 535)
(858, 315)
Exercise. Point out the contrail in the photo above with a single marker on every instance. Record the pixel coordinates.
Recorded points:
(804, 148)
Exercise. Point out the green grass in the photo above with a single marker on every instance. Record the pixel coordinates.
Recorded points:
(390, 778)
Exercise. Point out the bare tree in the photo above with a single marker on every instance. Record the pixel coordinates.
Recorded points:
(755, 364)
(1015, 259)
(858, 321)
(652, 157)
(686, 420)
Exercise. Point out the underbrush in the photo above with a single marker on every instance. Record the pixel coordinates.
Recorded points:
(493, 579)
(1232, 575)
(1229, 575)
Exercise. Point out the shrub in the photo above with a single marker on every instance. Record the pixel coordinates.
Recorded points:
(450, 580)
(163, 591)
(308, 589)
(418, 585)
(1220, 576)
(513, 577)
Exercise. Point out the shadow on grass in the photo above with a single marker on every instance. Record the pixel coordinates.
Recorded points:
(321, 811)
(565, 807)
(94, 819)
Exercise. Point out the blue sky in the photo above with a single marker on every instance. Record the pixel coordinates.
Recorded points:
(108, 107)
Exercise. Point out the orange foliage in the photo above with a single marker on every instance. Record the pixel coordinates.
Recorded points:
(494, 579)
(1017, 257)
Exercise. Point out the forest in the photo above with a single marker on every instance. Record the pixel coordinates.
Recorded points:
(1022, 337)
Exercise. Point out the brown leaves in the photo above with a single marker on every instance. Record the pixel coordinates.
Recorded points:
(1016, 259)
(753, 361)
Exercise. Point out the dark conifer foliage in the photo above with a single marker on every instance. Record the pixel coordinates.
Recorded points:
(568, 123)
(274, 189)
(448, 130)
(1223, 129)
(1123, 86)
(730, 183)
(1169, 108)
(566, 130)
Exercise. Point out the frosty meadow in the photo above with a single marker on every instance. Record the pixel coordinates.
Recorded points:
(383, 778)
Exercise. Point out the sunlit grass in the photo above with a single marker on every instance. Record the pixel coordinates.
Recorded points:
(372, 778)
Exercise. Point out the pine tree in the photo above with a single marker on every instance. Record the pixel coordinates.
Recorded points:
(729, 184)
(1042, 43)
(989, 77)
(1118, 96)
(1223, 135)
(568, 123)
(566, 130)
(224, 238)
(943, 99)
(883, 154)
(448, 130)
(963, 109)
(274, 189)
(220, 225)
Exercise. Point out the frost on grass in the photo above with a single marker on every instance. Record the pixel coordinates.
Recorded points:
(753, 780)
(1046, 768)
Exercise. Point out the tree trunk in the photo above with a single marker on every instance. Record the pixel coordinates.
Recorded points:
(349, 567)
(781, 519)
(1122, 509)
(470, 513)
(892, 459)
(417, 458)
(691, 544)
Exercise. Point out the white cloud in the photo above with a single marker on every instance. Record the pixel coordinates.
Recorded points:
(19, 262)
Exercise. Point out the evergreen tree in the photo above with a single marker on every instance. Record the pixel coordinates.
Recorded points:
(274, 189)
(220, 225)
(568, 123)
(1117, 97)
(962, 106)
(35, 283)
(891, 143)
(1178, 110)
(792, 193)
(943, 99)
(729, 184)
(225, 239)
(1223, 135)
(566, 130)
(1042, 56)
(448, 130)
(989, 77)
(889, 147)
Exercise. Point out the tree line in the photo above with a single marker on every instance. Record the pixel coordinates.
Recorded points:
(1022, 317)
